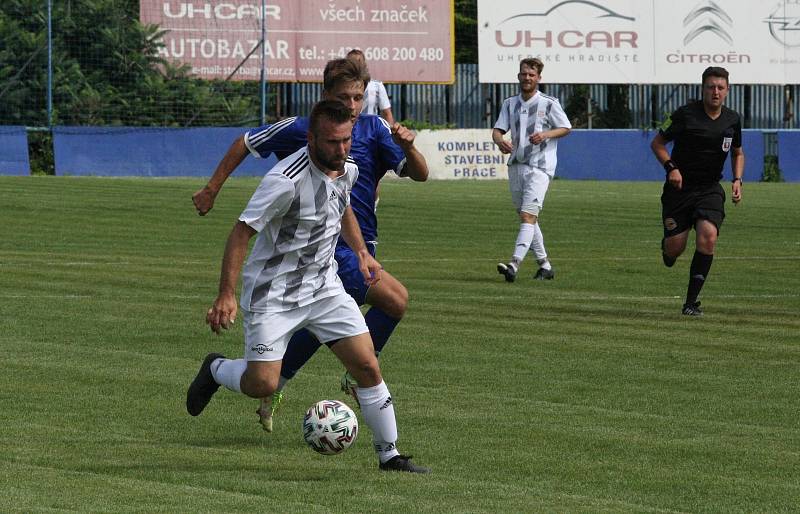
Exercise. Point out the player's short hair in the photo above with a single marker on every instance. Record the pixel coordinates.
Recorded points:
(332, 110)
(715, 71)
(343, 71)
(355, 52)
(358, 56)
(532, 62)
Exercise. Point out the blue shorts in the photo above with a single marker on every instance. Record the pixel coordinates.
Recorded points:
(350, 274)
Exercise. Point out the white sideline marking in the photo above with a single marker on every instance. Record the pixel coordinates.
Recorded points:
(115, 296)
(578, 296)
(449, 294)
(654, 258)
(29, 263)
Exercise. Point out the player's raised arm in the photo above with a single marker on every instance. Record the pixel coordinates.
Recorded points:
(416, 166)
(204, 198)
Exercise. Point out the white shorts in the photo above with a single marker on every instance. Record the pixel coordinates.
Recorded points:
(528, 187)
(267, 334)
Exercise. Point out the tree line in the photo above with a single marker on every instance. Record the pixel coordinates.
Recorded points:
(107, 70)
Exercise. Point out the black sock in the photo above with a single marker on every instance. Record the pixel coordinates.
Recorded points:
(698, 271)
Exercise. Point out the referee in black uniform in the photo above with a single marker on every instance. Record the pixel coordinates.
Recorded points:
(703, 132)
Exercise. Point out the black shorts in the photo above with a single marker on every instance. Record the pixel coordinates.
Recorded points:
(680, 210)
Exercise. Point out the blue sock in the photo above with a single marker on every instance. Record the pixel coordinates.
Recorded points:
(301, 348)
(381, 326)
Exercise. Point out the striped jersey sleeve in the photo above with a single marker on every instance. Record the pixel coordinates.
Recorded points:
(272, 199)
(282, 138)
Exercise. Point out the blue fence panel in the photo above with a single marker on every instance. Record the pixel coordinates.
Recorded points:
(608, 155)
(14, 151)
(753, 144)
(789, 154)
(150, 152)
(626, 155)
(156, 152)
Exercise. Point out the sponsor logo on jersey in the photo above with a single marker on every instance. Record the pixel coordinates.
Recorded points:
(261, 348)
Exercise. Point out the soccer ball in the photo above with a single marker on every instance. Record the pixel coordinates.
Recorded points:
(330, 427)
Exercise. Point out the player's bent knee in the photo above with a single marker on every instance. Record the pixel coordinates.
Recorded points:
(393, 300)
(676, 250)
(399, 302)
(707, 246)
(258, 386)
(706, 242)
(367, 373)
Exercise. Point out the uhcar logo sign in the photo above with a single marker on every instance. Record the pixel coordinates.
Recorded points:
(577, 14)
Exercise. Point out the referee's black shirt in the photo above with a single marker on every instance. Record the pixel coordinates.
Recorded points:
(701, 144)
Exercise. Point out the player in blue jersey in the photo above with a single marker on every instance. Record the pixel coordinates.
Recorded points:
(376, 148)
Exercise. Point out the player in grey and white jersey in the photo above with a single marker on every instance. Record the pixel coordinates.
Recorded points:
(536, 122)
(290, 281)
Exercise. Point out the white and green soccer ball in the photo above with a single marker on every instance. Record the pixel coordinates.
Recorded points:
(330, 427)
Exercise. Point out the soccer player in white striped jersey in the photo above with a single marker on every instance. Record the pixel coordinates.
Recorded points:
(536, 122)
(376, 148)
(290, 282)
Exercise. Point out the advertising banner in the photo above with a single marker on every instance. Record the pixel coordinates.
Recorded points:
(640, 41)
(408, 41)
(461, 154)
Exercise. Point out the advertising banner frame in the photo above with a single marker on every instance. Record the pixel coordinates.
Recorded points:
(403, 42)
(640, 41)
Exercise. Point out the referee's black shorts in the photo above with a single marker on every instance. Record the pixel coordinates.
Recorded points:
(680, 209)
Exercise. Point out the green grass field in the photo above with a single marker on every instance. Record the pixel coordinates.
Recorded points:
(590, 393)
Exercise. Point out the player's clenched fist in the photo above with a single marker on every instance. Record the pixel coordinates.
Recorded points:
(203, 200)
(402, 136)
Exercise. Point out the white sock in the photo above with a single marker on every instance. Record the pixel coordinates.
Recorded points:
(537, 247)
(524, 238)
(228, 372)
(378, 411)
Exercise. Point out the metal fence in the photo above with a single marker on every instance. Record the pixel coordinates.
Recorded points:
(468, 104)
(104, 75)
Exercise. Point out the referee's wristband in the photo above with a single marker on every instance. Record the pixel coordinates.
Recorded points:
(737, 179)
(669, 165)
